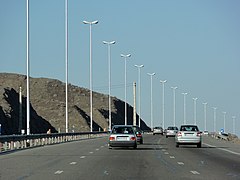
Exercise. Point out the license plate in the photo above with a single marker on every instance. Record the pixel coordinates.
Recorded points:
(122, 138)
(188, 134)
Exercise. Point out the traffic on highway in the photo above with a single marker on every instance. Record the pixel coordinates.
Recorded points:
(156, 158)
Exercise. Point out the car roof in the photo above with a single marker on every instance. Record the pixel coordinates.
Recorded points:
(189, 125)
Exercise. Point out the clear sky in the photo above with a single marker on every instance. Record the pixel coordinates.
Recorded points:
(194, 45)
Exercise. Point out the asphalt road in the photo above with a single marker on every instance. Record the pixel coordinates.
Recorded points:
(157, 158)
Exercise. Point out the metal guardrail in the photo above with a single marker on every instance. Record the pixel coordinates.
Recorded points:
(15, 142)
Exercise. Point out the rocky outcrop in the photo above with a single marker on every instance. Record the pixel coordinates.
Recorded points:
(47, 106)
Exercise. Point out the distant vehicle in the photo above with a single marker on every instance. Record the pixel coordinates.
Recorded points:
(171, 131)
(122, 136)
(188, 135)
(158, 130)
(139, 133)
(205, 132)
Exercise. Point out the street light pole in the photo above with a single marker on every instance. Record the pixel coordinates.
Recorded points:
(234, 121)
(163, 120)
(214, 118)
(28, 96)
(195, 110)
(151, 76)
(125, 58)
(174, 105)
(66, 62)
(184, 107)
(224, 121)
(109, 82)
(90, 25)
(205, 116)
(139, 93)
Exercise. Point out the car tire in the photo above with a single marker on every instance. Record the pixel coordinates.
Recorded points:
(166, 136)
(141, 142)
(199, 145)
(177, 145)
(135, 146)
(153, 134)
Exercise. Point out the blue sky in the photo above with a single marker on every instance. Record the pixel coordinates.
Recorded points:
(194, 45)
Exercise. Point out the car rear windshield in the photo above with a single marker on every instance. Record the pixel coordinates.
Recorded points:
(122, 130)
(172, 128)
(189, 128)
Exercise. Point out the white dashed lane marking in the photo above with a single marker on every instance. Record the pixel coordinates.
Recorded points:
(195, 172)
(172, 157)
(180, 163)
(166, 153)
(58, 172)
(97, 149)
(91, 152)
(82, 157)
(73, 163)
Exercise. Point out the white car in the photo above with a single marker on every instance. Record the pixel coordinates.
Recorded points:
(188, 135)
(171, 131)
(158, 130)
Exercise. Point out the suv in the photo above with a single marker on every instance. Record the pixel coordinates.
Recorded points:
(158, 130)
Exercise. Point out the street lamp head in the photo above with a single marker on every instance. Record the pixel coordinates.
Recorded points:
(161, 81)
(139, 66)
(194, 99)
(106, 42)
(125, 56)
(174, 87)
(184, 93)
(151, 74)
(93, 22)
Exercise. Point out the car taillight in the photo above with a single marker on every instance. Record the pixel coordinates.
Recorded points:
(139, 135)
(179, 134)
(111, 138)
(133, 139)
(198, 133)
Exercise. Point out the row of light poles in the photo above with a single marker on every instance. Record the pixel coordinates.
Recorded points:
(90, 23)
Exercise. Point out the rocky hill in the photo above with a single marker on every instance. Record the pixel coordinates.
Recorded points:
(47, 106)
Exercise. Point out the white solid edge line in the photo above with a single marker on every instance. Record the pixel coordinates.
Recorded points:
(232, 152)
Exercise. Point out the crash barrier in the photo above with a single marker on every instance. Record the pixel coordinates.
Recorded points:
(15, 142)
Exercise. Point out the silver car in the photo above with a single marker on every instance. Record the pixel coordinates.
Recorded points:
(122, 136)
(158, 130)
(188, 135)
(171, 131)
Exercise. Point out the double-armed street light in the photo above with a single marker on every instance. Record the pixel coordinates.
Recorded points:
(163, 120)
(66, 63)
(195, 110)
(174, 105)
(125, 58)
(151, 76)
(109, 81)
(184, 107)
(214, 118)
(234, 122)
(205, 116)
(139, 93)
(224, 120)
(90, 25)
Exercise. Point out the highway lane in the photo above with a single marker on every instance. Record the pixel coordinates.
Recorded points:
(157, 158)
